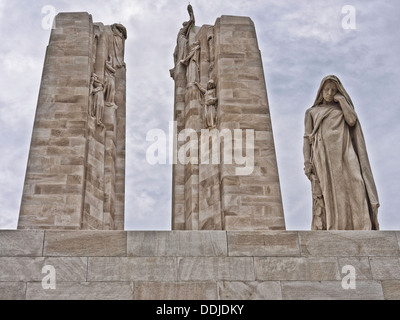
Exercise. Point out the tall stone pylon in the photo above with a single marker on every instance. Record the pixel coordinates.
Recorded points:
(225, 173)
(75, 176)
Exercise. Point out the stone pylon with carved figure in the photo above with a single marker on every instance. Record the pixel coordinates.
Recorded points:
(76, 170)
(220, 98)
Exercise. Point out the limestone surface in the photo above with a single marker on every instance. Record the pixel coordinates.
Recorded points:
(200, 265)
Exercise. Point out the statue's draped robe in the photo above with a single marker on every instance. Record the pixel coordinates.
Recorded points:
(340, 161)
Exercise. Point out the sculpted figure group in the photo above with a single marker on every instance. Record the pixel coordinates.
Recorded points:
(102, 92)
(189, 56)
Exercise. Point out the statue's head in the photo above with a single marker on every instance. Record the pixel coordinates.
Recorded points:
(329, 90)
(330, 86)
(211, 84)
(120, 30)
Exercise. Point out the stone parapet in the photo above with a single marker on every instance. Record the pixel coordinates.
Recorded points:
(199, 265)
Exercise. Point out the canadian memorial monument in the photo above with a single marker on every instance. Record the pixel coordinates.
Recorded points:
(229, 239)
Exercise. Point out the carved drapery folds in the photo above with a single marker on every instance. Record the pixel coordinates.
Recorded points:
(210, 104)
(120, 35)
(109, 80)
(97, 94)
(192, 63)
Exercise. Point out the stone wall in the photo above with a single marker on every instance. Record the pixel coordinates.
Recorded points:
(199, 265)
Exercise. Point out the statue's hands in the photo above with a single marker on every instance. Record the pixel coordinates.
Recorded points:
(338, 97)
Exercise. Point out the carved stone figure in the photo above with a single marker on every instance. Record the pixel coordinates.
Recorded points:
(192, 61)
(97, 93)
(210, 103)
(336, 162)
(120, 35)
(109, 79)
(182, 40)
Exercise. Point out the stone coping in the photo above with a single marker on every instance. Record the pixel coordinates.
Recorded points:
(40, 243)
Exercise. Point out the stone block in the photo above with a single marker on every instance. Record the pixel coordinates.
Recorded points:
(252, 290)
(259, 200)
(385, 268)
(72, 16)
(361, 265)
(12, 291)
(175, 291)
(349, 243)
(216, 268)
(30, 269)
(296, 268)
(133, 269)
(177, 243)
(85, 244)
(81, 291)
(391, 289)
(47, 179)
(268, 243)
(246, 223)
(330, 290)
(21, 243)
(233, 20)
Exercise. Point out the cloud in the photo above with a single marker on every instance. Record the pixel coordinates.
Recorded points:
(315, 20)
(2, 6)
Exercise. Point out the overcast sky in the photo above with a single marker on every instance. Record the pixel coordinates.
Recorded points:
(300, 41)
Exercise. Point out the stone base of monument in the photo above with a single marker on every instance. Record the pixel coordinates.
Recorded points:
(199, 265)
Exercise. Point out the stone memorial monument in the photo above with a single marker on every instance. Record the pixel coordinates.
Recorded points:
(76, 171)
(220, 96)
(229, 241)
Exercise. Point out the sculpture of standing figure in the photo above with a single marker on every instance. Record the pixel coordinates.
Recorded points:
(182, 40)
(192, 61)
(120, 35)
(210, 103)
(96, 90)
(109, 88)
(336, 162)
